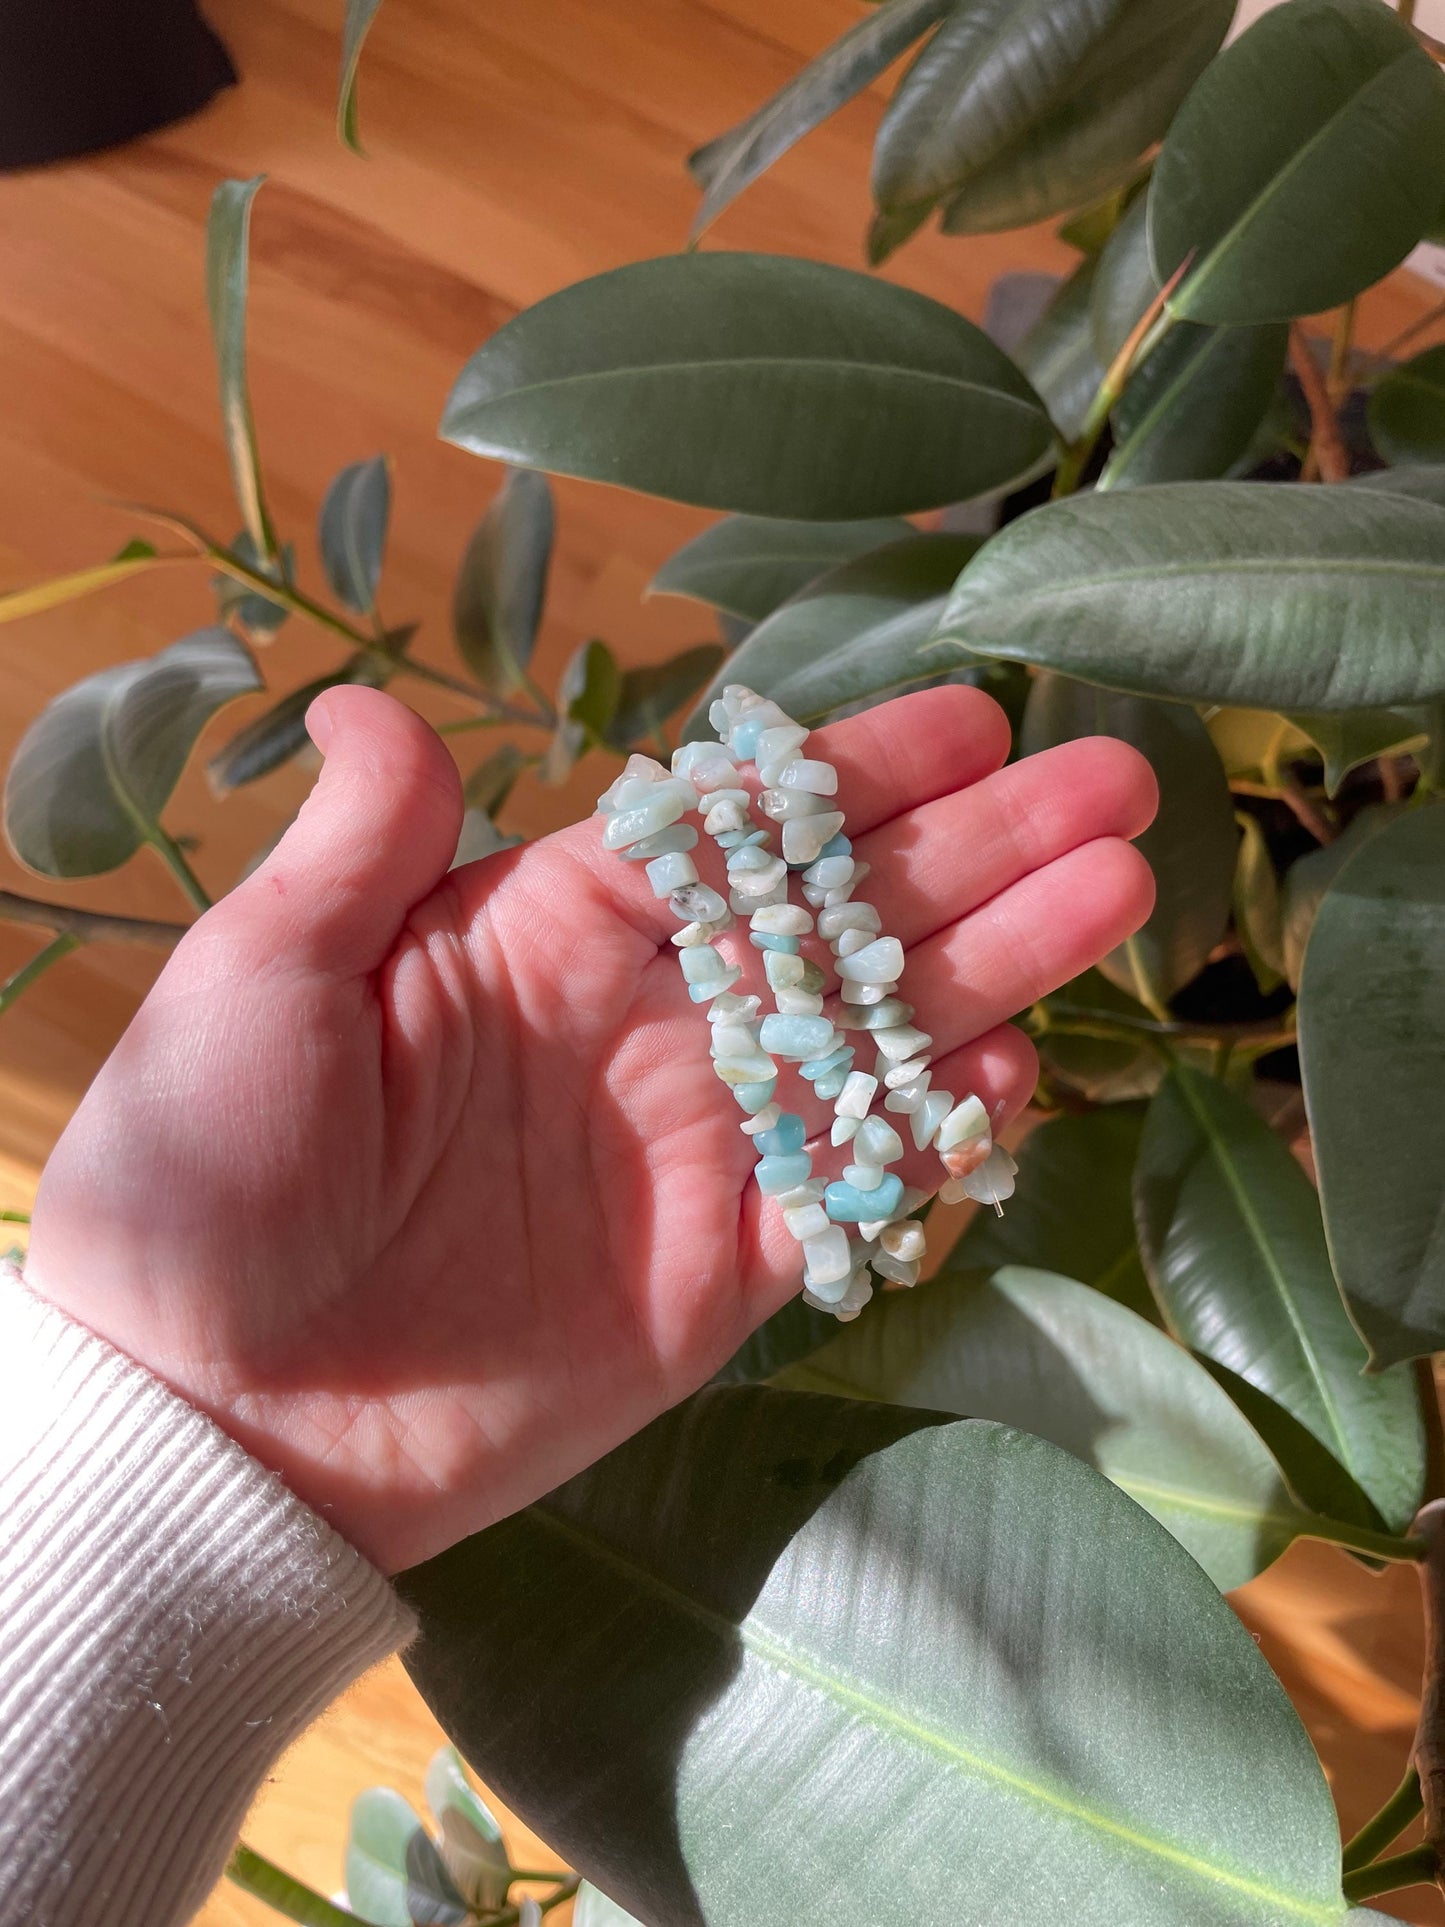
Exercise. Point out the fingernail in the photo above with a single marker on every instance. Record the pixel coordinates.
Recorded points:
(319, 724)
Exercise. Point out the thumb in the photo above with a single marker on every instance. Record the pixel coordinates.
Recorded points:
(374, 837)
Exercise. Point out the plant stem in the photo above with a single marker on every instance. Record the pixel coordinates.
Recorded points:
(1376, 1545)
(1327, 455)
(16, 986)
(1429, 1752)
(1079, 1020)
(1342, 354)
(1306, 811)
(1387, 1825)
(174, 857)
(1406, 11)
(14, 1217)
(1417, 1868)
(291, 1897)
(88, 926)
(1148, 331)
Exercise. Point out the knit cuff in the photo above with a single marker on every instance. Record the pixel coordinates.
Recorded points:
(171, 1617)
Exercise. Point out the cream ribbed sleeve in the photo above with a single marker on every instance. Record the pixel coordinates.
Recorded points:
(171, 1617)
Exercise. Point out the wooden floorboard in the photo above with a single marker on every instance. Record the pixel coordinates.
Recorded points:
(513, 149)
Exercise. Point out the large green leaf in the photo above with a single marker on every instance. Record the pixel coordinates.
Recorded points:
(1231, 1234)
(1372, 1048)
(1407, 411)
(501, 585)
(746, 565)
(1125, 283)
(354, 518)
(354, 29)
(1073, 1210)
(1307, 880)
(753, 382)
(735, 159)
(790, 1334)
(279, 733)
(1057, 354)
(1037, 1350)
(1017, 109)
(1257, 906)
(1355, 736)
(1424, 481)
(773, 1625)
(97, 766)
(472, 1849)
(1191, 843)
(1194, 406)
(228, 242)
(1305, 164)
(1218, 592)
(854, 635)
(647, 697)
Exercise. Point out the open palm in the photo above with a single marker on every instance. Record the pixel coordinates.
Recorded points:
(419, 1181)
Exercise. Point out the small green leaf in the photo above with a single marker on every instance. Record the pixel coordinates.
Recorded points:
(472, 1848)
(354, 517)
(735, 159)
(716, 1608)
(280, 732)
(1190, 844)
(1373, 1056)
(1304, 165)
(1230, 1229)
(257, 614)
(755, 383)
(649, 696)
(1360, 735)
(1193, 407)
(746, 566)
(1073, 1206)
(355, 27)
(854, 635)
(1258, 912)
(501, 586)
(228, 240)
(97, 766)
(790, 1334)
(492, 781)
(1407, 411)
(1018, 109)
(394, 1875)
(1057, 354)
(1218, 592)
(1034, 1349)
(588, 693)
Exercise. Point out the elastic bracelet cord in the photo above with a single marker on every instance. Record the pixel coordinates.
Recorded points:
(862, 1221)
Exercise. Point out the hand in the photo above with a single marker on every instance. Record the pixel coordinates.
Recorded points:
(419, 1182)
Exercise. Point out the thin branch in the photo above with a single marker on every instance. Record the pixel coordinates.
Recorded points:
(1429, 1753)
(1045, 1018)
(1148, 331)
(254, 1874)
(16, 986)
(1327, 453)
(89, 926)
(1414, 1869)
(1387, 1825)
(1306, 810)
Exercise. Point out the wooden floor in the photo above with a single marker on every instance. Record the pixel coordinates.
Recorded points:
(514, 148)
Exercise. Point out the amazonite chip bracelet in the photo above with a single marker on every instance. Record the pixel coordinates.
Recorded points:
(861, 1222)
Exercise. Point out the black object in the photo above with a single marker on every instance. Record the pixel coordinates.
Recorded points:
(76, 75)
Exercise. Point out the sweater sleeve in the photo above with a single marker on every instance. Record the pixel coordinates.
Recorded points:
(171, 1617)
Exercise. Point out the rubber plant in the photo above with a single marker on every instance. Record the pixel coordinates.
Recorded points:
(926, 1621)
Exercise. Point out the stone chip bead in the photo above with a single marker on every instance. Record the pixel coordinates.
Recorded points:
(926, 1119)
(787, 1135)
(878, 962)
(846, 1204)
(804, 773)
(804, 836)
(700, 903)
(877, 1142)
(904, 1240)
(776, 1175)
(857, 1095)
(677, 836)
(783, 920)
(797, 1038)
(964, 1138)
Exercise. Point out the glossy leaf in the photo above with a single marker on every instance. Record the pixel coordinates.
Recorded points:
(1018, 109)
(1407, 410)
(1424, 481)
(97, 766)
(1073, 1207)
(855, 635)
(1253, 742)
(588, 692)
(753, 382)
(279, 733)
(472, 1848)
(354, 518)
(1103, 1069)
(1258, 912)
(1124, 284)
(735, 159)
(715, 1609)
(354, 29)
(1373, 1055)
(1193, 407)
(394, 1875)
(134, 559)
(1304, 165)
(1057, 354)
(1191, 843)
(1218, 592)
(1037, 1350)
(747, 566)
(1230, 1229)
(790, 1334)
(1307, 880)
(648, 697)
(228, 240)
(1358, 736)
(501, 586)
